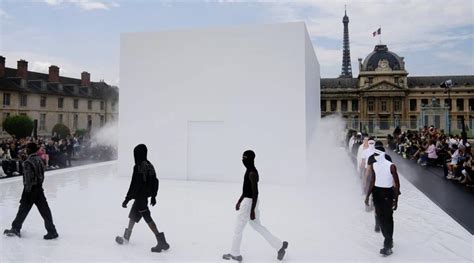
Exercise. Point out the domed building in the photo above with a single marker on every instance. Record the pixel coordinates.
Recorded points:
(383, 96)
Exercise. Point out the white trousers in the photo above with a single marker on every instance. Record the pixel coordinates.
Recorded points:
(243, 216)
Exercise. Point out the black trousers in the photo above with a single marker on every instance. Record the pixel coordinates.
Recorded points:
(28, 199)
(383, 202)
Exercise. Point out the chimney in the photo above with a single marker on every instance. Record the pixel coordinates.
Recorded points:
(2, 66)
(53, 74)
(85, 79)
(22, 69)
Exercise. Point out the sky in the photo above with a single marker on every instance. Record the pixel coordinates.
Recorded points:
(436, 37)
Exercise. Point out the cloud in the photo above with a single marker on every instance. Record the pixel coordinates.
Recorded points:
(87, 5)
(458, 57)
(3, 14)
(406, 25)
(67, 67)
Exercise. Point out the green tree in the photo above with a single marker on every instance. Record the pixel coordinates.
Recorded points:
(19, 126)
(61, 130)
(81, 132)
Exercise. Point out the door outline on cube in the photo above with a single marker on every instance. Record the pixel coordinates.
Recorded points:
(205, 145)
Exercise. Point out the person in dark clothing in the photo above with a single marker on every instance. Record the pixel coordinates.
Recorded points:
(144, 184)
(385, 188)
(69, 151)
(33, 193)
(248, 209)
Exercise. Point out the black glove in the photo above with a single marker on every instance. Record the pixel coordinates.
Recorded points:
(153, 201)
(124, 204)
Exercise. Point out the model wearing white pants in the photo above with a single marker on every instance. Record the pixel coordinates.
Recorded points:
(243, 217)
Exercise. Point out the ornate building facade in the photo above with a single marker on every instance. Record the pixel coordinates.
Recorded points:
(51, 99)
(383, 96)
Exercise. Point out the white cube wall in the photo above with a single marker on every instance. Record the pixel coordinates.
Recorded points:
(199, 98)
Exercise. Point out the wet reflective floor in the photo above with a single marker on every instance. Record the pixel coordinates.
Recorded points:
(324, 221)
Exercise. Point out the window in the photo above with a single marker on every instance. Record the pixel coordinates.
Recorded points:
(323, 105)
(383, 106)
(424, 102)
(89, 104)
(471, 104)
(413, 122)
(102, 105)
(447, 103)
(42, 124)
(102, 120)
(437, 121)
(396, 121)
(89, 122)
(371, 80)
(344, 105)
(60, 118)
(76, 103)
(413, 105)
(355, 105)
(6, 99)
(60, 103)
(384, 123)
(459, 121)
(113, 105)
(396, 80)
(355, 123)
(333, 105)
(397, 105)
(43, 101)
(460, 104)
(75, 121)
(370, 105)
(23, 100)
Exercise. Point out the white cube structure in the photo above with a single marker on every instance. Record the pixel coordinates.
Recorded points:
(199, 98)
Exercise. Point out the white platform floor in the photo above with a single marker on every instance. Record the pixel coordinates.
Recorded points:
(323, 221)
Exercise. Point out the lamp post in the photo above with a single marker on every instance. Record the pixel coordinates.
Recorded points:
(447, 85)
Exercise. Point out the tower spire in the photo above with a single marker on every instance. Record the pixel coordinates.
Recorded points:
(346, 71)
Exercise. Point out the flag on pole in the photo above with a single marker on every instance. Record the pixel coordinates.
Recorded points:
(377, 32)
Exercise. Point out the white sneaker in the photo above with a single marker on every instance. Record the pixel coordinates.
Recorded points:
(15, 173)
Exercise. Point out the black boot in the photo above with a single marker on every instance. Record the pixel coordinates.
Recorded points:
(12, 232)
(51, 235)
(126, 236)
(386, 251)
(162, 244)
(162, 241)
(281, 252)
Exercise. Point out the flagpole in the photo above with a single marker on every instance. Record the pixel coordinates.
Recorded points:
(380, 35)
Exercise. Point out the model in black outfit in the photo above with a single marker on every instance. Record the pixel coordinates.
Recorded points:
(144, 184)
(33, 194)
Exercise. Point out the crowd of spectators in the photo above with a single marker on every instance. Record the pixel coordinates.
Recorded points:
(55, 152)
(429, 146)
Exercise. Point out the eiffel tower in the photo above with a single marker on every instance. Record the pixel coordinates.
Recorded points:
(346, 71)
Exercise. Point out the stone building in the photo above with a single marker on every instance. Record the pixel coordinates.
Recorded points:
(383, 96)
(52, 98)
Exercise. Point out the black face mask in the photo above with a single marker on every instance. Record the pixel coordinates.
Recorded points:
(140, 153)
(248, 159)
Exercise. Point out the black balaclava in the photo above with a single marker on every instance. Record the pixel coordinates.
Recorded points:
(139, 153)
(248, 159)
(31, 148)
